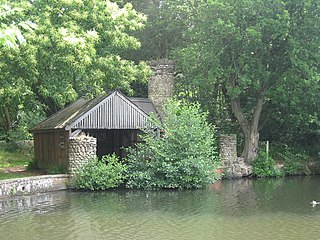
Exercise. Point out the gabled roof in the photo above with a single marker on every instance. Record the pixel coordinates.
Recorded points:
(144, 104)
(112, 111)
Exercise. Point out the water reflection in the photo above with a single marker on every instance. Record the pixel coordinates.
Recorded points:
(42, 203)
(236, 209)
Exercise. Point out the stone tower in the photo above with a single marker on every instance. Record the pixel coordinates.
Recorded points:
(161, 83)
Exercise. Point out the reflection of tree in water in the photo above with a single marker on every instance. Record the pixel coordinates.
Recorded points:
(290, 194)
(174, 202)
(238, 197)
(109, 202)
(268, 195)
(241, 197)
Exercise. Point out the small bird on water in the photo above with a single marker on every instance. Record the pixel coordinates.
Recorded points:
(314, 203)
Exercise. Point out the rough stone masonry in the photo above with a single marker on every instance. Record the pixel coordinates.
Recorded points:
(234, 166)
(161, 83)
(81, 150)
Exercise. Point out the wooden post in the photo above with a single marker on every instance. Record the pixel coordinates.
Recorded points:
(267, 150)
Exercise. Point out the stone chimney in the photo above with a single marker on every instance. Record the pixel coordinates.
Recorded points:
(161, 83)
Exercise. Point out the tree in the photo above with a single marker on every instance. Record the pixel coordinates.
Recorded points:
(167, 22)
(249, 48)
(291, 116)
(10, 34)
(74, 51)
(185, 156)
(10, 39)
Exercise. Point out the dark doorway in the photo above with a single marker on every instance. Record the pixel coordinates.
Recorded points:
(112, 141)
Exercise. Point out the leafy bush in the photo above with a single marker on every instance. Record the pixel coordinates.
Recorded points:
(294, 162)
(23, 121)
(100, 174)
(184, 156)
(32, 165)
(265, 166)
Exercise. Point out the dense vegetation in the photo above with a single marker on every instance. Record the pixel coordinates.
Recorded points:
(252, 64)
(180, 152)
(183, 156)
(100, 174)
(14, 158)
(73, 49)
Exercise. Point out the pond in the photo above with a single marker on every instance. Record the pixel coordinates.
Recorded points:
(230, 209)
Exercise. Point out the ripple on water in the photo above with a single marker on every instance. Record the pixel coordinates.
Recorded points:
(239, 210)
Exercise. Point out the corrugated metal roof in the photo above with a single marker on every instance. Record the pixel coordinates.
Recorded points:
(113, 111)
(145, 104)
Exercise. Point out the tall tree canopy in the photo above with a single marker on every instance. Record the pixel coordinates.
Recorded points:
(10, 34)
(251, 63)
(250, 49)
(167, 22)
(76, 50)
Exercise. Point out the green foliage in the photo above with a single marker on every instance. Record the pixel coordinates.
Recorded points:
(74, 50)
(241, 49)
(14, 158)
(14, 155)
(295, 163)
(184, 156)
(265, 166)
(19, 130)
(32, 165)
(239, 53)
(100, 174)
(167, 22)
(10, 33)
(292, 117)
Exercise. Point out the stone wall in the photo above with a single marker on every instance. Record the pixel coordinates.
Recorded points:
(161, 84)
(234, 166)
(81, 150)
(30, 185)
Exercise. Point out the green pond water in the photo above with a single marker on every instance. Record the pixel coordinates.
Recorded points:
(231, 209)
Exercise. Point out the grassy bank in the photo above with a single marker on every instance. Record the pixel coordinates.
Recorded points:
(14, 159)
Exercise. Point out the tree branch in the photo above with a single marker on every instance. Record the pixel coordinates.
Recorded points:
(238, 113)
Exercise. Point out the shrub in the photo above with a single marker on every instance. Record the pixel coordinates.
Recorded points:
(184, 157)
(265, 166)
(295, 162)
(32, 165)
(100, 174)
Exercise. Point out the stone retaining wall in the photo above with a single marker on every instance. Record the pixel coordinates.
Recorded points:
(234, 166)
(81, 150)
(31, 185)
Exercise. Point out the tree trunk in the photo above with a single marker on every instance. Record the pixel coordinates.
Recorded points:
(251, 146)
(5, 121)
(249, 129)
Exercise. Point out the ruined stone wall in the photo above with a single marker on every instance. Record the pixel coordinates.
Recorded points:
(81, 150)
(161, 83)
(228, 148)
(234, 166)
